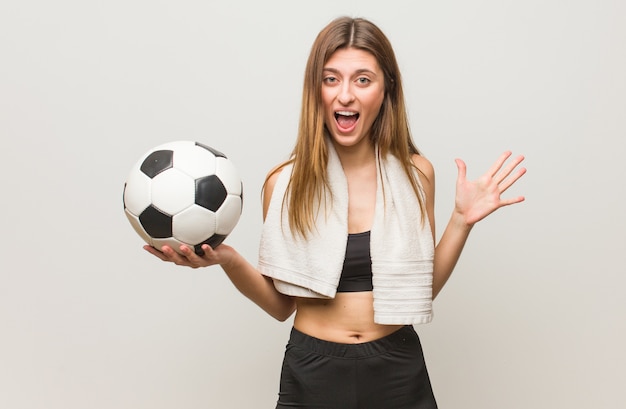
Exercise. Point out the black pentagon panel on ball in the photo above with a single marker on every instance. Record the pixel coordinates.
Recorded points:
(241, 196)
(156, 223)
(213, 151)
(210, 192)
(157, 162)
(213, 241)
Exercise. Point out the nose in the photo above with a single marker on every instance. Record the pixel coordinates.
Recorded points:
(346, 95)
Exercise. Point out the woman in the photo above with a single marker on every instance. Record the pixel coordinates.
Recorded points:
(348, 236)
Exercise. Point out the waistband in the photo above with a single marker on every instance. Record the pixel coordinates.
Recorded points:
(353, 351)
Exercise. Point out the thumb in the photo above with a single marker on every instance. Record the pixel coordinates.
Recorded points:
(462, 169)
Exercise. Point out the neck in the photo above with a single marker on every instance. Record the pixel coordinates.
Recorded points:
(356, 156)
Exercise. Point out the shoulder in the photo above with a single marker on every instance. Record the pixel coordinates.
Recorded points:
(269, 184)
(273, 175)
(425, 168)
(270, 180)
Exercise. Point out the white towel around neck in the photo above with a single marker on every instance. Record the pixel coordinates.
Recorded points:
(401, 246)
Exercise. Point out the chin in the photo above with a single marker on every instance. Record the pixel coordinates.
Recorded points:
(348, 141)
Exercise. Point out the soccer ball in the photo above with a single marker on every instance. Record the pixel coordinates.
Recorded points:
(183, 193)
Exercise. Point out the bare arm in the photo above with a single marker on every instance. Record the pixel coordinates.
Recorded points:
(474, 201)
(246, 278)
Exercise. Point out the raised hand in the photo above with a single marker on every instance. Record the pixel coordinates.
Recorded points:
(477, 199)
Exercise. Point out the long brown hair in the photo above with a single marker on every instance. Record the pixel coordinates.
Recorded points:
(308, 185)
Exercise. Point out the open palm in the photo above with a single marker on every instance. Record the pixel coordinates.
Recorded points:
(477, 199)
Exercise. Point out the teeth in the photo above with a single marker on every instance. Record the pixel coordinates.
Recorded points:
(346, 113)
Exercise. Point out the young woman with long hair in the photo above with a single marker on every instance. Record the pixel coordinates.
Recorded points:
(348, 240)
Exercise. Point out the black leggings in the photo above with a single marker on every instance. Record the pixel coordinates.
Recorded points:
(389, 373)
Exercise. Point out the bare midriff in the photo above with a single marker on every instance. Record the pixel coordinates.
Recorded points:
(346, 319)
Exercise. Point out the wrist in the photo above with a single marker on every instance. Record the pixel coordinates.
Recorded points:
(227, 259)
(459, 220)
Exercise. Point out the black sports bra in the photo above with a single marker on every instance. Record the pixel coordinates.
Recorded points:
(357, 265)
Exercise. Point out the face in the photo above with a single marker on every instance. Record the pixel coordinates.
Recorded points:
(353, 90)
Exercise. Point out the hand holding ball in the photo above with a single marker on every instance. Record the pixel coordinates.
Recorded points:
(183, 193)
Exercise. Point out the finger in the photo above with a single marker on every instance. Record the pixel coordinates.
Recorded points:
(510, 181)
(173, 256)
(208, 251)
(509, 169)
(511, 201)
(189, 253)
(152, 250)
(495, 168)
(203, 250)
(193, 259)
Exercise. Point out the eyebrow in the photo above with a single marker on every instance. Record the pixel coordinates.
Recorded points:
(359, 71)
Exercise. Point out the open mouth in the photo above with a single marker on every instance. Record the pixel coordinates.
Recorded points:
(346, 119)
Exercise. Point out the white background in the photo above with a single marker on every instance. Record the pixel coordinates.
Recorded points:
(534, 315)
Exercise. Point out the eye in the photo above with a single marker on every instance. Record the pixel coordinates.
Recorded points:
(363, 81)
(330, 80)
